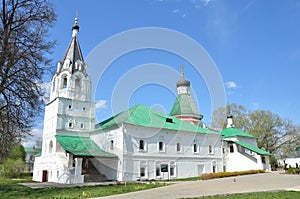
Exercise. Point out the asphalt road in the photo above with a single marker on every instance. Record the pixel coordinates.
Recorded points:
(241, 184)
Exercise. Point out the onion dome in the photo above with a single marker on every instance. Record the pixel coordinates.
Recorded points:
(183, 82)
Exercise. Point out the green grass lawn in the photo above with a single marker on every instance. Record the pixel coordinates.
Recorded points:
(262, 195)
(11, 189)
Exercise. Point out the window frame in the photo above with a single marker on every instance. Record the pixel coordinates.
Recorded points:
(195, 146)
(211, 149)
(161, 146)
(142, 149)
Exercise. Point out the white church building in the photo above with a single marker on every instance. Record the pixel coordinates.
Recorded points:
(137, 144)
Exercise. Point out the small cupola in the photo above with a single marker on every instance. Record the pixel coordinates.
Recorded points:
(229, 121)
(183, 81)
(75, 27)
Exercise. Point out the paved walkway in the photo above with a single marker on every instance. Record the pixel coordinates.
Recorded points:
(240, 184)
(39, 185)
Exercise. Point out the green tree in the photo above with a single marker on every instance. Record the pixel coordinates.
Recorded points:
(12, 168)
(24, 50)
(17, 152)
(275, 134)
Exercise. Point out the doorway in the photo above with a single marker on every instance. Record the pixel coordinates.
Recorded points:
(45, 176)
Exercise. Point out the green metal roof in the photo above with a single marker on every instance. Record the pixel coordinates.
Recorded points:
(298, 148)
(38, 154)
(32, 150)
(82, 146)
(184, 105)
(233, 132)
(144, 116)
(253, 148)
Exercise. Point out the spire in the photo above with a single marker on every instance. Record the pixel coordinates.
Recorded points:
(73, 59)
(75, 27)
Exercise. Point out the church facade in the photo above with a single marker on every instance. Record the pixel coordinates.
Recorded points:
(137, 144)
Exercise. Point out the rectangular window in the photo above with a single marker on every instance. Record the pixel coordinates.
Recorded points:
(231, 149)
(70, 124)
(195, 147)
(111, 145)
(223, 150)
(214, 169)
(161, 146)
(157, 171)
(142, 172)
(210, 149)
(142, 145)
(172, 171)
(178, 147)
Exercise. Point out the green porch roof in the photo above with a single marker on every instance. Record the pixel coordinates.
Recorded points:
(233, 132)
(140, 115)
(253, 148)
(185, 105)
(82, 146)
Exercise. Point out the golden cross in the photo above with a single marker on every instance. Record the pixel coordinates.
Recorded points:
(182, 70)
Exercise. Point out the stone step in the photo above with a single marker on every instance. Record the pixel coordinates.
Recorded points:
(95, 178)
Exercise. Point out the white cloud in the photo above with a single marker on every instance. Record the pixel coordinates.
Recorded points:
(231, 84)
(175, 11)
(36, 134)
(205, 2)
(101, 104)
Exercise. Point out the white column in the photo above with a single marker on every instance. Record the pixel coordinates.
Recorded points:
(78, 166)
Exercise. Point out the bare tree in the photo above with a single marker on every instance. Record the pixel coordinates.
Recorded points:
(24, 50)
(238, 112)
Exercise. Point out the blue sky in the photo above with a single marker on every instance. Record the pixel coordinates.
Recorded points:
(255, 46)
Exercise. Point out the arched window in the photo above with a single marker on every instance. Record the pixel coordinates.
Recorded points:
(50, 146)
(78, 83)
(157, 169)
(172, 169)
(65, 82)
(142, 169)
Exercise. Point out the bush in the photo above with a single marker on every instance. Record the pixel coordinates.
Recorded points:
(207, 176)
(12, 168)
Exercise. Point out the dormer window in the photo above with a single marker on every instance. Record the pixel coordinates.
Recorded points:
(169, 120)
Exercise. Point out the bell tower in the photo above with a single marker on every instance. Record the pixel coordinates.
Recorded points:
(70, 110)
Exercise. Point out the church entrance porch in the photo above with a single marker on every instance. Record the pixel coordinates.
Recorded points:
(91, 173)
